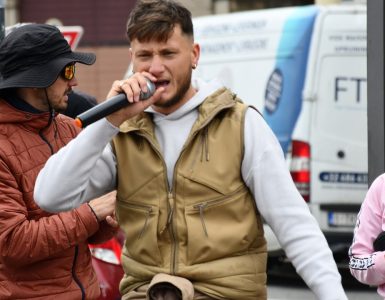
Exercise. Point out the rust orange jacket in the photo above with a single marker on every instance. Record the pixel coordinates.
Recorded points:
(42, 255)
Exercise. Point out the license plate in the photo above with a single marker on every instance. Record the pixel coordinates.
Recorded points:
(342, 219)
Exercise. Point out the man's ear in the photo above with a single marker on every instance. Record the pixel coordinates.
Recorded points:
(130, 70)
(195, 54)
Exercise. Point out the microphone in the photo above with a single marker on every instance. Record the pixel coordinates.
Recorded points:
(109, 106)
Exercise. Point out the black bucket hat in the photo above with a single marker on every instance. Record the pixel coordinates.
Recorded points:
(33, 56)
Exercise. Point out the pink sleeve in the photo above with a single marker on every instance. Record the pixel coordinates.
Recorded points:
(366, 265)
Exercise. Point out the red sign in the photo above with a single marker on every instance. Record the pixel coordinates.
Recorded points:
(72, 34)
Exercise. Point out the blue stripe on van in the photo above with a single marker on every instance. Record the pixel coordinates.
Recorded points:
(283, 93)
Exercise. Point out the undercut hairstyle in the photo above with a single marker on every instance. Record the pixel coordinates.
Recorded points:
(155, 20)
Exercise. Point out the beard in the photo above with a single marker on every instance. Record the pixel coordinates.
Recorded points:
(59, 106)
(181, 91)
(60, 109)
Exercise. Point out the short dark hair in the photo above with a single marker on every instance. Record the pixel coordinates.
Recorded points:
(156, 20)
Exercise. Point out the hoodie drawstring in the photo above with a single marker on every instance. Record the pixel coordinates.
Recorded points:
(51, 118)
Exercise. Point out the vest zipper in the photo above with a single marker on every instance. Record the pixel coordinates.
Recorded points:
(170, 205)
(149, 210)
(170, 193)
(203, 205)
(170, 223)
(146, 209)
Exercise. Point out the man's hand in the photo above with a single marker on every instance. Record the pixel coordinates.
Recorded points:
(111, 220)
(132, 87)
(104, 208)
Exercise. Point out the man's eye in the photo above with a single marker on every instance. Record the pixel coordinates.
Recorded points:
(143, 55)
(168, 54)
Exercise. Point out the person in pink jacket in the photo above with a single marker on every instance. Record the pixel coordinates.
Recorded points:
(367, 252)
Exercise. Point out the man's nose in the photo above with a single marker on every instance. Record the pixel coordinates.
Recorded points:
(157, 65)
(73, 82)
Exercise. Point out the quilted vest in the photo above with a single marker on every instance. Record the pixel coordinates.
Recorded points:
(206, 228)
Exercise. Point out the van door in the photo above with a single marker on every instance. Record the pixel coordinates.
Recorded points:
(339, 139)
(334, 123)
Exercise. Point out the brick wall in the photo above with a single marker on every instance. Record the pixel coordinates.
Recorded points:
(111, 64)
(104, 22)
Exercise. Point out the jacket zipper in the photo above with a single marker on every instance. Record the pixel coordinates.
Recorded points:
(76, 279)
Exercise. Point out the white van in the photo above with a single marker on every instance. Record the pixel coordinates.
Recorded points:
(304, 68)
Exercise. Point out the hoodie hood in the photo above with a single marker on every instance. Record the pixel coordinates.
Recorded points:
(15, 113)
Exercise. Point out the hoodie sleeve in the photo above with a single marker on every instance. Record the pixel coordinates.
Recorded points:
(367, 265)
(266, 174)
(92, 158)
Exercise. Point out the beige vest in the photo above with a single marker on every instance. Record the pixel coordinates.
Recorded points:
(207, 228)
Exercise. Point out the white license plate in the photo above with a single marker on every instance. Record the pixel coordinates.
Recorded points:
(342, 219)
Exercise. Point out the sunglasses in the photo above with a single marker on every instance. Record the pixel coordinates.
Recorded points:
(68, 72)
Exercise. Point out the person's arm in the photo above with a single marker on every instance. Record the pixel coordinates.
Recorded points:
(266, 174)
(367, 265)
(82, 170)
(85, 167)
(25, 239)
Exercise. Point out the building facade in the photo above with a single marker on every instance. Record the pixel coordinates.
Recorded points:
(104, 24)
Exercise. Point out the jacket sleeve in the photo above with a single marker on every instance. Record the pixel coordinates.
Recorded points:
(24, 240)
(105, 233)
(367, 265)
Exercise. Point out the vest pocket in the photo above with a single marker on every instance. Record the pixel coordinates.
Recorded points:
(140, 222)
(223, 227)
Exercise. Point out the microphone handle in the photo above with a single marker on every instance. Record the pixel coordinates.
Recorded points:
(109, 106)
(101, 110)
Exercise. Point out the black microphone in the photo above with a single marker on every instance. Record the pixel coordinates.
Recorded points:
(109, 106)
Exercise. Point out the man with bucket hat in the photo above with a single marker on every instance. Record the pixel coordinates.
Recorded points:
(42, 255)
